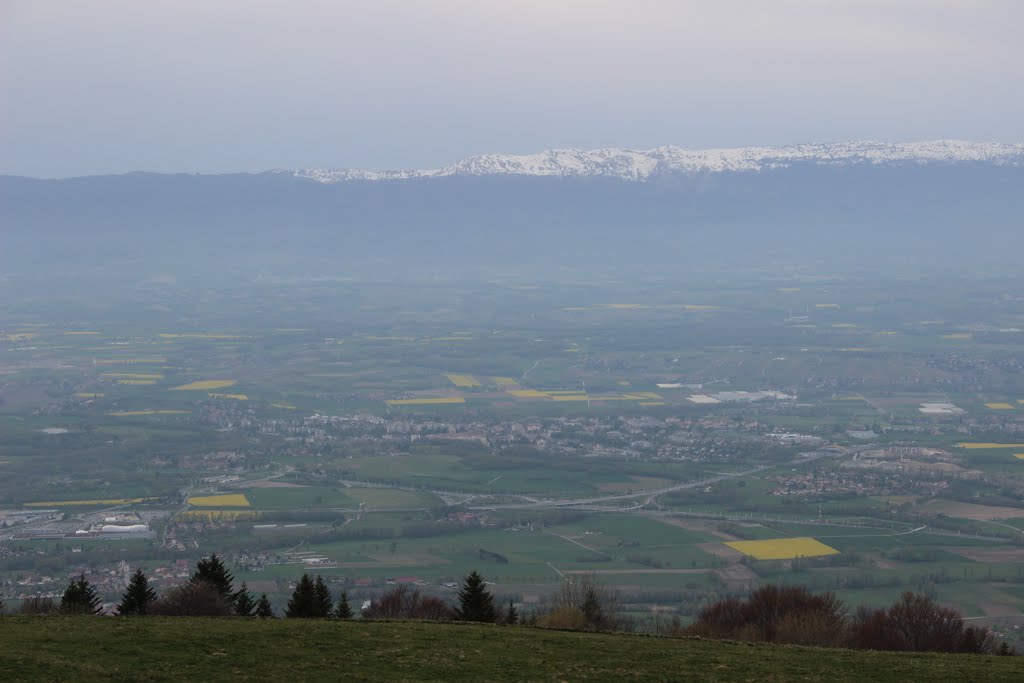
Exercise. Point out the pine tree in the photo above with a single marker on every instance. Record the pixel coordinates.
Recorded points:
(138, 597)
(212, 570)
(244, 602)
(343, 611)
(303, 603)
(80, 598)
(475, 602)
(511, 615)
(263, 607)
(324, 601)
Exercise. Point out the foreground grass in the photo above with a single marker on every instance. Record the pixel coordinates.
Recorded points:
(164, 649)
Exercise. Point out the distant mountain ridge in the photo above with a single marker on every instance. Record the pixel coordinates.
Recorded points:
(639, 165)
(841, 207)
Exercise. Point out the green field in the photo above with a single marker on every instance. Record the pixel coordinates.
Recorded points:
(179, 649)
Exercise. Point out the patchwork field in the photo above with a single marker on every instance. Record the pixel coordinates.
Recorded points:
(377, 431)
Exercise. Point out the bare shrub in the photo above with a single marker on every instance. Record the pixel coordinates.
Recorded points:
(916, 623)
(721, 619)
(782, 614)
(869, 630)
(564, 617)
(433, 608)
(37, 606)
(402, 603)
(922, 625)
(193, 599)
(809, 628)
(599, 605)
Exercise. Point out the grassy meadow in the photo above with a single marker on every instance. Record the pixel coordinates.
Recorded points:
(179, 649)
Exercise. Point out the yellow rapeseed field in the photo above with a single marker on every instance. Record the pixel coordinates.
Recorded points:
(463, 380)
(999, 406)
(972, 445)
(133, 375)
(505, 381)
(206, 385)
(783, 548)
(424, 401)
(236, 500)
(236, 397)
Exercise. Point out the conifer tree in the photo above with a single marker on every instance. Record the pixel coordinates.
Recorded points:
(324, 601)
(244, 602)
(303, 603)
(80, 598)
(263, 608)
(475, 602)
(212, 570)
(344, 610)
(511, 614)
(138, 597)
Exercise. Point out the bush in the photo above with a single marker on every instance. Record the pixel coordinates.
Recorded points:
(916, 623)
(599, 606)
(193, 599)
(778, 614)
(36, 606)
(793, 615)
(402, 603)
(564, 617)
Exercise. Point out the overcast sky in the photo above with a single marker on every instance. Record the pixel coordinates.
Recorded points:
(110, 86)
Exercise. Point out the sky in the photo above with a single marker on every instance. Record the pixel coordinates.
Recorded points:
(112, 86)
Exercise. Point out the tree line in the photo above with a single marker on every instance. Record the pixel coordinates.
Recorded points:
(793, 615)
(775, 614)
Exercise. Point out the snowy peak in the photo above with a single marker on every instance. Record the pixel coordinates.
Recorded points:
(636, 165)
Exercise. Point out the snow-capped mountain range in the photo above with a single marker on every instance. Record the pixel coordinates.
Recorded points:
(638, 165)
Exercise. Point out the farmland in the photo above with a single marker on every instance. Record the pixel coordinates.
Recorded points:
(783, 548)
(380, 432)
